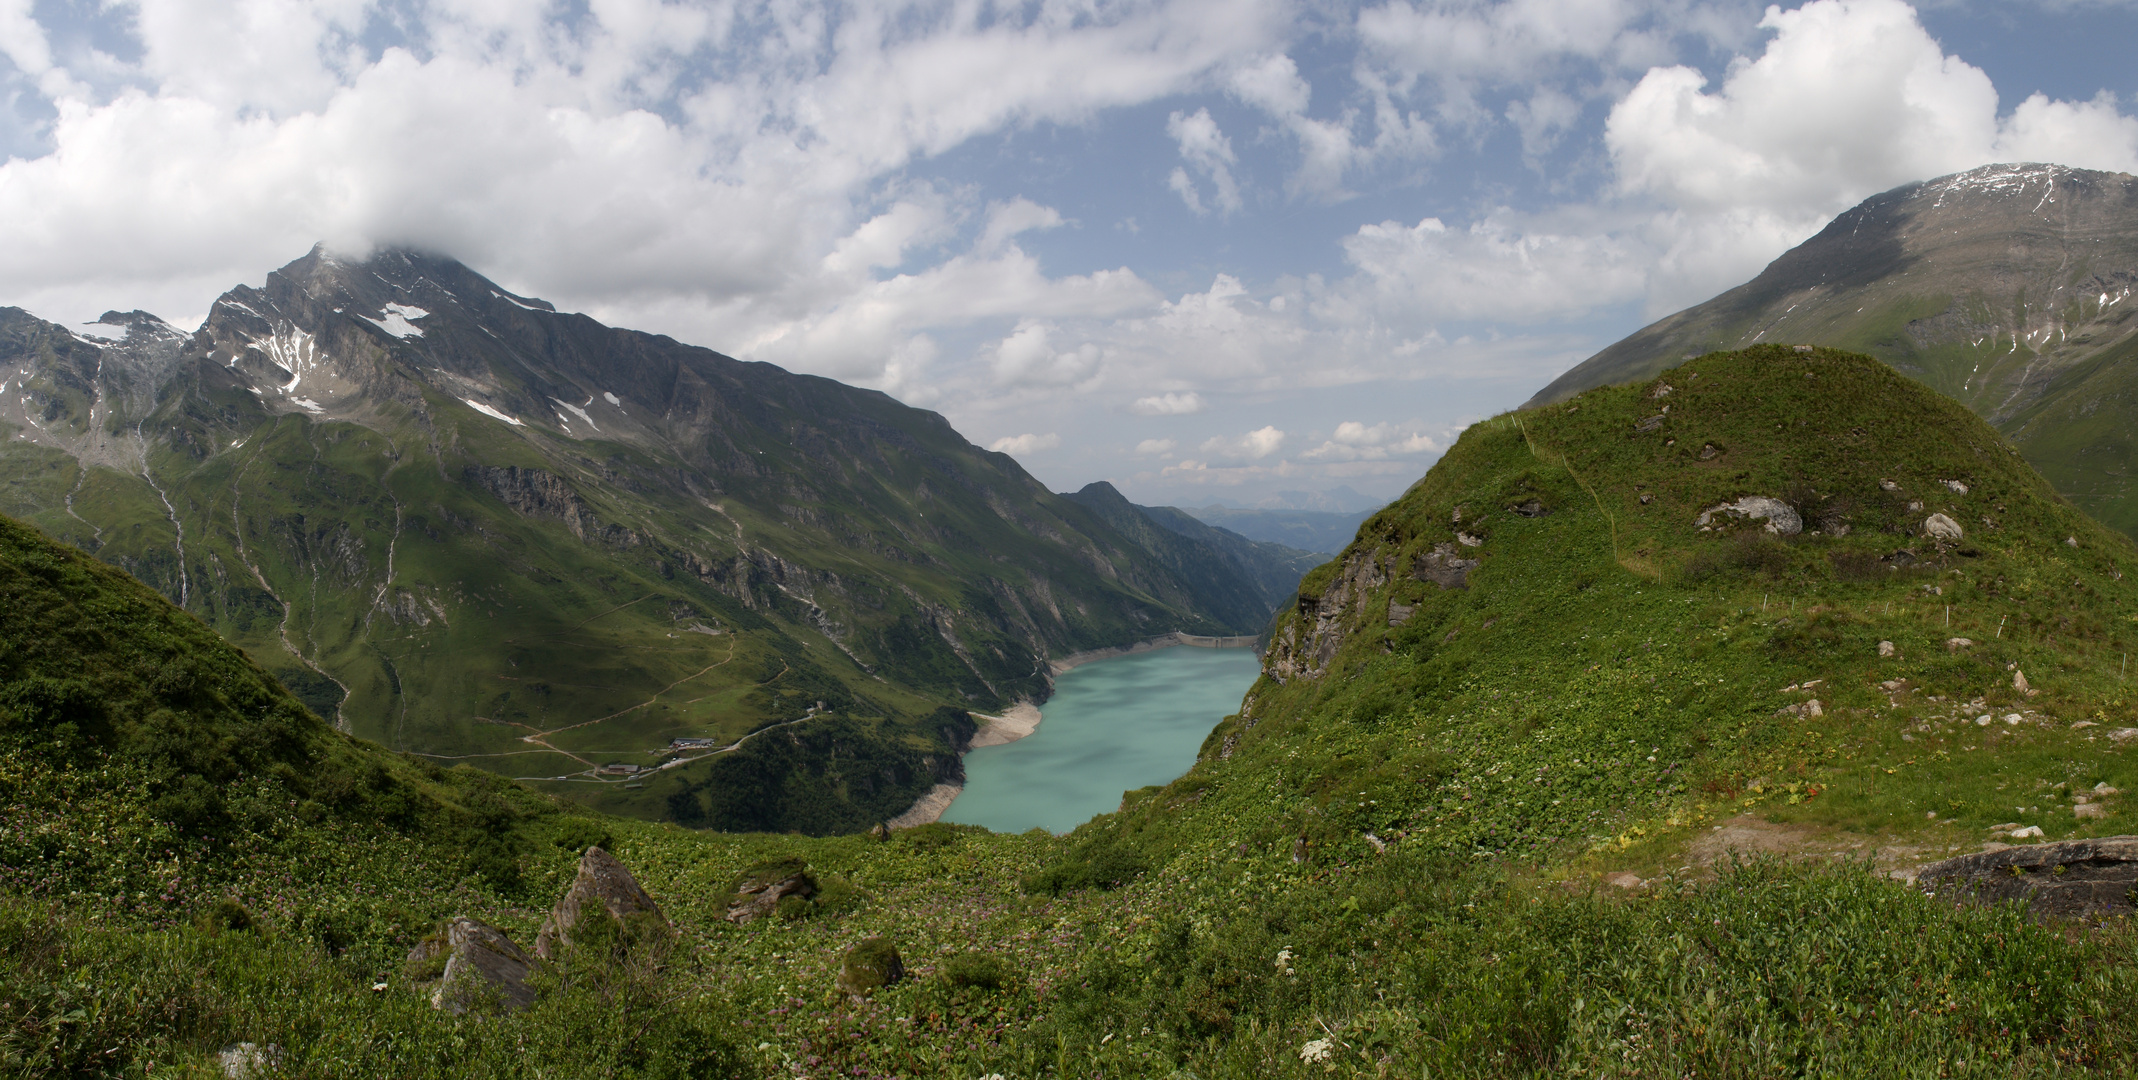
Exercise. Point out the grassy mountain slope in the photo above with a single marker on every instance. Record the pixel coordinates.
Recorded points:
(1252, 577)
(463, 524)
(1385, 864)
(2002, 287)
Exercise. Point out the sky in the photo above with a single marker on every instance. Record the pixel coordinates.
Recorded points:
(1209, 250)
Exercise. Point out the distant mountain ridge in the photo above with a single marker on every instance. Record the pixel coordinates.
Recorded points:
(2007, 287)
(468, 525)
(1253, 577)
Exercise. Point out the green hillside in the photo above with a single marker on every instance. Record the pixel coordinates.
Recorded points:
(494, 534)
(2002, 287)
(1389, 863)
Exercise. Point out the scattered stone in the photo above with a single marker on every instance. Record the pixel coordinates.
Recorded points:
(481, 964)
(2089, 811)
(1983, 720)
(2123, 735)
(2071, 541)
(2084, 724)
(1954, 486)
(2012, 719)
(2103, 790)
(1893, 686)
(1530, 508)
(1709, 453)
(1940, 527)
(1649, 425)
(1466, 540)
(1955, 644)
(1915, 505)
(1646, 498)
(879, 832)
(1662, 390)
(1888, 485)
(2069, 877)
(602, 885)
(1802, 348)
(1804, 710)
(1885, 648)
(871, 965)
(1626, 879)
(765, 884)
(248, 1061)
(1781, 518)
(2019, 680)
(1443, 567)
(1400, 612)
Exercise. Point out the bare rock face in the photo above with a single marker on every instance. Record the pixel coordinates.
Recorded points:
(2068, 878)
(764, 885)
(602, 886)
(481, 965)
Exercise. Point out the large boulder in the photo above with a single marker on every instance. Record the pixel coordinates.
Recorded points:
(761, 888)
(872, 964)
(2069, 877)
(603, 886)
(475, 964)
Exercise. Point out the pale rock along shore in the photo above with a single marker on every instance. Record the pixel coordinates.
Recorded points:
(1015, 723)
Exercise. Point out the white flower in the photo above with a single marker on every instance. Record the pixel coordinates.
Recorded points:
(1316, 1052)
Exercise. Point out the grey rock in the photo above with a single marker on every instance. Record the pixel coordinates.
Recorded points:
(1885, 648)
(481, 965)
(1443, 567)
(602, 886)
(248, 1061)
(1781, 518)
(763, 886)
(1940, 527)
(2068, 878)
(1400, 612)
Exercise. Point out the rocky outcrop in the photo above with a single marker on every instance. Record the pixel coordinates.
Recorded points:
(1940, 527)
(1312, 636)
(603, 887)
(538, 494)
(1781, 518)
(2067, 878)
(759, 891)
(476, 964)
(1443, 566)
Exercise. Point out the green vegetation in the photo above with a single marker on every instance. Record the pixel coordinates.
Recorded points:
(1390, 863)
(729, 596)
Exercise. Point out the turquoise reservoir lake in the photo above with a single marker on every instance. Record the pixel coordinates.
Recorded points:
(1112, 726)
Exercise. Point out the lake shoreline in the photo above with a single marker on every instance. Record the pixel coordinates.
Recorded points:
(1022, 719)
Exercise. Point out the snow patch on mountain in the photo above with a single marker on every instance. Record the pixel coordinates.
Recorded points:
(395, 320)
(490, 412)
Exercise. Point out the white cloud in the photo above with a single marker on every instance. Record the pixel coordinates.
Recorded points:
(1026, 356)
(1155, 447)
(1354, 441)
(1168, 404)
(1253, 446)
(1025, 444)
(1206, 148)
(1848, 98)
(1504, 266)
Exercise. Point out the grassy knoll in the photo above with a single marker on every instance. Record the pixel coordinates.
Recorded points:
(1390, 863)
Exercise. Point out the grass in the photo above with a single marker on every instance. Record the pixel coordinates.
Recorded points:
(1396, 869)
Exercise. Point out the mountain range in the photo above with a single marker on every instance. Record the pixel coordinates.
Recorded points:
(2002, 287)
(466, 525)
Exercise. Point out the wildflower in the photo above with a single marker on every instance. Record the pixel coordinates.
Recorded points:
(1316, 1052)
